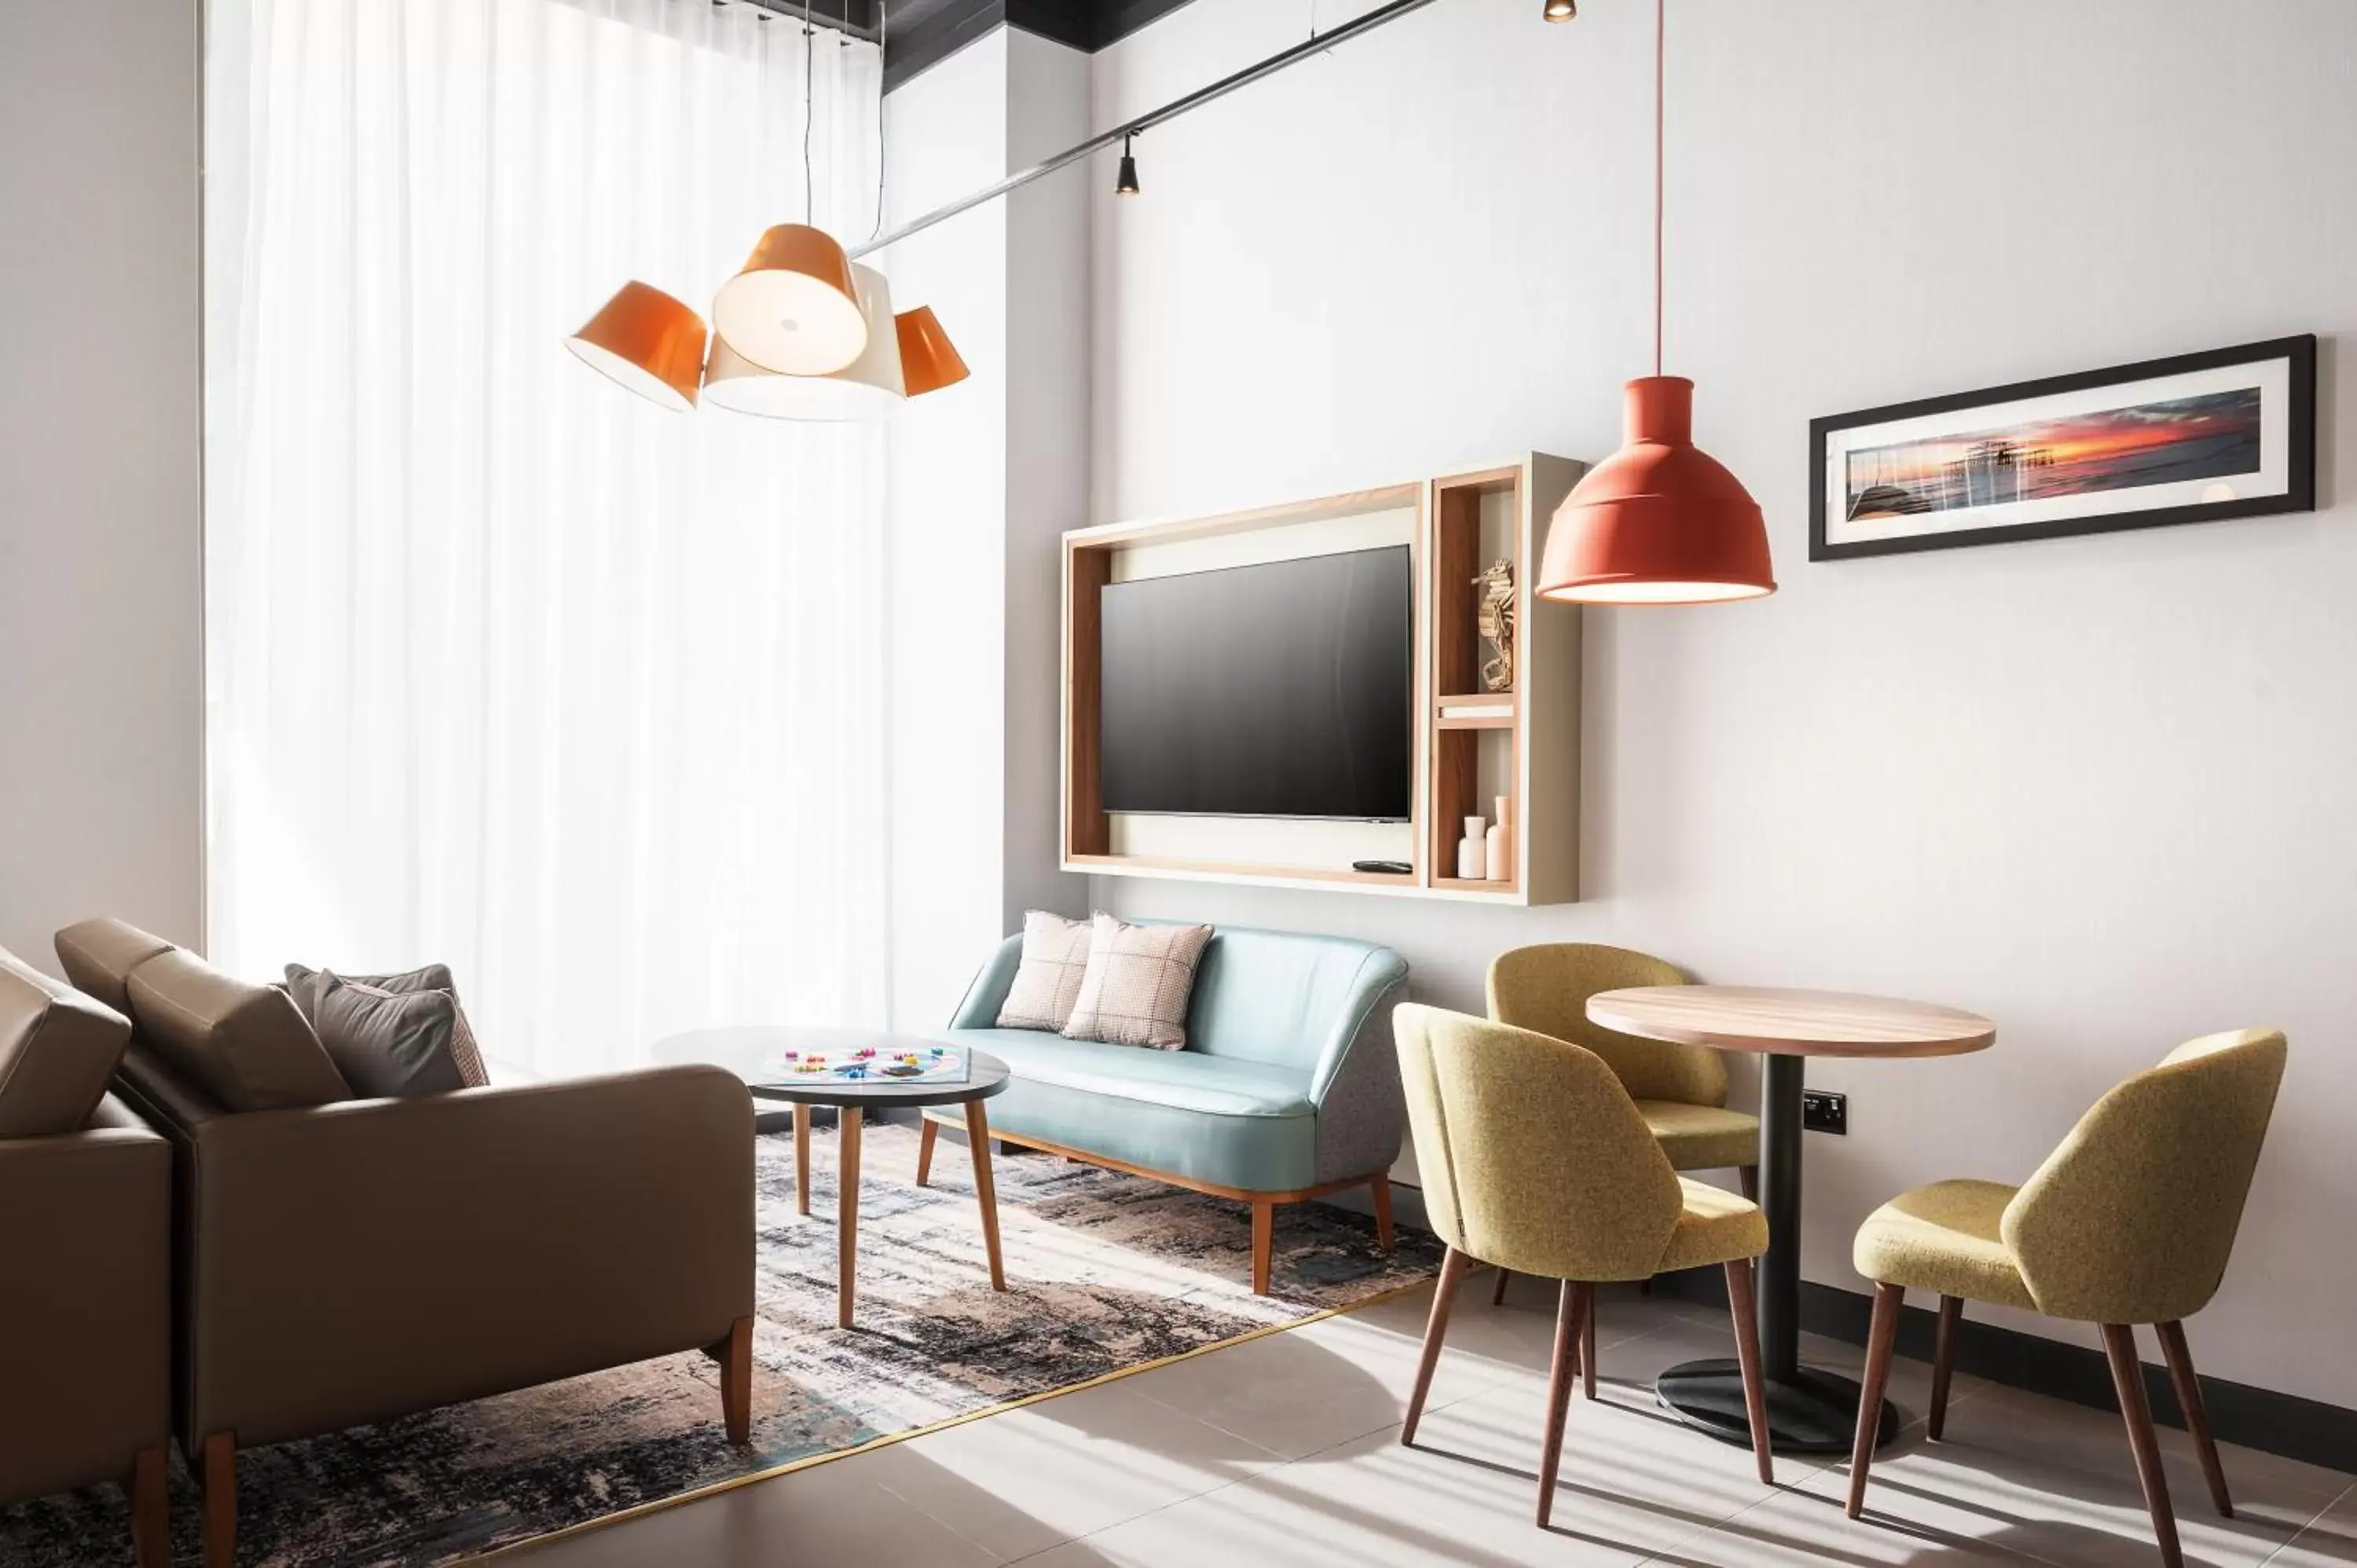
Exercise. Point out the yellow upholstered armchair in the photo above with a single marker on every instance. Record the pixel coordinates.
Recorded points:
(2129, 1222)
(1680, 1090)
(1534, 1159)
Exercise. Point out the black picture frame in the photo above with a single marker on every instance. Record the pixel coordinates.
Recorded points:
(2299, 494)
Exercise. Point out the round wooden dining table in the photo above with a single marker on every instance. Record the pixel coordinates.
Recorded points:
(1809, 1410)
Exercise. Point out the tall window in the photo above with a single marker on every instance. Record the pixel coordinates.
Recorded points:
(506, 667)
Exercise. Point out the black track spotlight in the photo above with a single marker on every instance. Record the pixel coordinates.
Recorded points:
(1126, 185)
(1561, 10)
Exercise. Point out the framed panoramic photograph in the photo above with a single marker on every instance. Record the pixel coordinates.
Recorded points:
(2230, 433)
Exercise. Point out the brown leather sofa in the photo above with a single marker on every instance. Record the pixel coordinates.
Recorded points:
(342, 1261)
(85, 1228)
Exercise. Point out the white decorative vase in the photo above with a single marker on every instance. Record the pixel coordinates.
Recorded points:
(1472, 862)
(1501, 843)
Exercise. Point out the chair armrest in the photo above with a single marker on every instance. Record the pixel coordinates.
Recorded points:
(987, 993)
(369, 1257)
(1362, 1116)
(85, 1322)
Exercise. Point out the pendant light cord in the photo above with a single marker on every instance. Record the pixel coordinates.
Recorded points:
(810, 202)
(1660, 9)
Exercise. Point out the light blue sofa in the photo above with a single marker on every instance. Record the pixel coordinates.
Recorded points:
(1288, 1088)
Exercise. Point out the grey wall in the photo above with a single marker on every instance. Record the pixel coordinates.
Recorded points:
(101, 697)
(2098, 789)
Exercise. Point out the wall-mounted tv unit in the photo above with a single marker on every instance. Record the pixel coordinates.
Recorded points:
(1284, 689)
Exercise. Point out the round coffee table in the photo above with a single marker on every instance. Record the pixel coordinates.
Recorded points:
(1809, 1410)
(743, 1051)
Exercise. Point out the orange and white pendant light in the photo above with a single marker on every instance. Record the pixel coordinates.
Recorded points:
(794, 308)
(649, 342)
(868, 387)
(1660, 521)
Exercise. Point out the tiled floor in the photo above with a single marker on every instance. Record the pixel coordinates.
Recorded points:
(1285, 1450)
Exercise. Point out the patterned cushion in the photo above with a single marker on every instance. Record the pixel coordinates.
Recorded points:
(1055, 957)
(1138, 981)
(307, 985)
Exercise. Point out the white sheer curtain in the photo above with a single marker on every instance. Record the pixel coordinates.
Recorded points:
(505, 667)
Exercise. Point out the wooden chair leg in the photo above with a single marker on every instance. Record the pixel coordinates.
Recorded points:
(1498, 1291)
(2188, 1385)
(1380, 1190)
(2128, 1380)
(1748, 1179)
(219, 1463)
(1943, 1362)
(1264, 1244)
(1435, 1327)
(151, 1519)
(1588, 1342)
(1880, 1336)
(931, 1131)
(1570, 1313)
(1740, 1306)
(736, 1382)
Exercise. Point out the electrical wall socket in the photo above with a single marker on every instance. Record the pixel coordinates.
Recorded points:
(1822, 1110)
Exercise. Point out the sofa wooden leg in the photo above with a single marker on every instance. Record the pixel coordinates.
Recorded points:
(1380, 1189)
(1263, 1243)
(219, 1463)
(925, 1151)
(736, 1382)
(151, 1520)
(1436, 1328)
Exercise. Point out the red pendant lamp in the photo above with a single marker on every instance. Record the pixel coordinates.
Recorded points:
(1660, 521)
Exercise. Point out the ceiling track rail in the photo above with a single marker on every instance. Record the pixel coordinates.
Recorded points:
(1318, 44)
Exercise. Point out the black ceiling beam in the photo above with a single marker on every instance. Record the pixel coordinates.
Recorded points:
(926, 32)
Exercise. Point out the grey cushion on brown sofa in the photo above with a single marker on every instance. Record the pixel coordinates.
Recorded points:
(58, 1047)
(306, 986)
(98, 955)
(385, 1043)
(244, 1044)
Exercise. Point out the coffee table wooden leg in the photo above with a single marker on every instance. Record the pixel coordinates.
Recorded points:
(977, 1132)
(802, 1158)
(846, 1221)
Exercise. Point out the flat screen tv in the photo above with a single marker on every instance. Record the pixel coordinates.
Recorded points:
(1279, 690)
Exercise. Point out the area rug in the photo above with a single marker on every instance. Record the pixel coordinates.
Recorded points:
(1105, 1273)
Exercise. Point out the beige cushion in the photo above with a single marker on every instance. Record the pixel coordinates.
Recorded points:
(1055, 958)
(98, 956)
(1715, 1226)
(244, 1044)
(1702, 1137)
(1138, 983)
(56, 1049)
(1944, 1238)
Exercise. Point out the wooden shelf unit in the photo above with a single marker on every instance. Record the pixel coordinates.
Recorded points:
(1522, 743)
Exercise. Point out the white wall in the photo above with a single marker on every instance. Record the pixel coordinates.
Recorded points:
(101, 701)
(2097, 789)
(985, 475)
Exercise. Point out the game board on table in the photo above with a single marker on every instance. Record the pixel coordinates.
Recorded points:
(930, 1063)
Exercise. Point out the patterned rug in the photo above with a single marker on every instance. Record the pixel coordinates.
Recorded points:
(1105, 1273)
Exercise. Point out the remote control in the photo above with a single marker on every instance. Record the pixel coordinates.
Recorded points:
(1395, 868)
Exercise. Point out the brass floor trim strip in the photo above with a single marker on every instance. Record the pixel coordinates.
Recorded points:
(810, 1461)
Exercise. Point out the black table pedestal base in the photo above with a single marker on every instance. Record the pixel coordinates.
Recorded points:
(1808, 1413)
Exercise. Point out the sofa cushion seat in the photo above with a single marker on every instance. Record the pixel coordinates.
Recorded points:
(1220, 1121)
